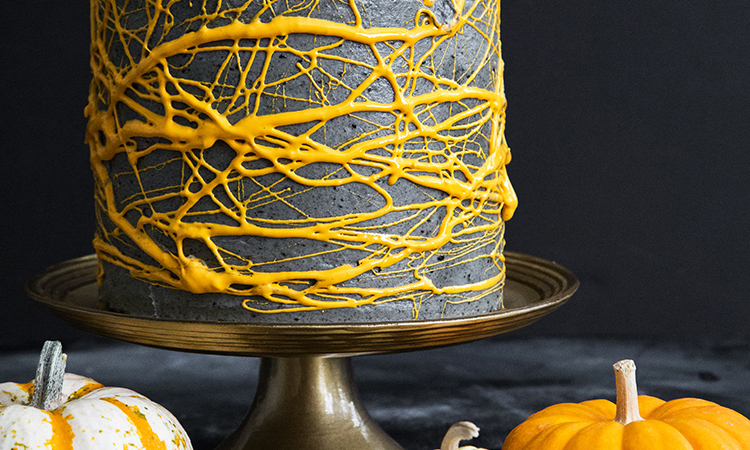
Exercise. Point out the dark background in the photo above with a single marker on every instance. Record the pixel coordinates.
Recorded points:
(628, 123)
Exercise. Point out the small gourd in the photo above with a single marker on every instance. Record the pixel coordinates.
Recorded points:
(60, 410)
(635, 422)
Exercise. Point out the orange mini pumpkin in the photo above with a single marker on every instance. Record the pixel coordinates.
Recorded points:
(634, 423)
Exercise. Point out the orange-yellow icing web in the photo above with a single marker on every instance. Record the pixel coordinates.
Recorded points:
(152, 111)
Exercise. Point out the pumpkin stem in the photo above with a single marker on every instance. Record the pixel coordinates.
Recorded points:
(627, 393)
(460, 431)
(50, 373)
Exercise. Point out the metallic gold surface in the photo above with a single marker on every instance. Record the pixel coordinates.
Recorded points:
(534, 287)
(308, 403)
(306, 398)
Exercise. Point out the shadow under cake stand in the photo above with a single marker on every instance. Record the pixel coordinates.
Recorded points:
(306, 398)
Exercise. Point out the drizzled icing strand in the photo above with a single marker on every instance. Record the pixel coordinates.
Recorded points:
(150, 112)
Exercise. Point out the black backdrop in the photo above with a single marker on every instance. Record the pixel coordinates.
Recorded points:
(628, 123)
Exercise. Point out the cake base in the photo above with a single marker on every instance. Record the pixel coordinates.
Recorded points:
(534, 288)
(122, 293)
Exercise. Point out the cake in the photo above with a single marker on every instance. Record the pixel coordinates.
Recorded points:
(299, 161)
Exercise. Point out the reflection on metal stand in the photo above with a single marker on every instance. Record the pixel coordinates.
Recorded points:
(306, 397)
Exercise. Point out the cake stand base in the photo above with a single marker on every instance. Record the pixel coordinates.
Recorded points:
(308, 403)
(306, 398)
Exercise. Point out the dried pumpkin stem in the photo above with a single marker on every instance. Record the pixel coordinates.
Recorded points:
(627, 393)
(50, 374)
(460, 431)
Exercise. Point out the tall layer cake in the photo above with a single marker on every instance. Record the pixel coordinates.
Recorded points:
(305, 160)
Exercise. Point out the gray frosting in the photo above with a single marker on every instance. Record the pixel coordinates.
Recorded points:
(163, 170)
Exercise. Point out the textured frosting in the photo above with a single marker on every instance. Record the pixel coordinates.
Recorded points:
(304, 156)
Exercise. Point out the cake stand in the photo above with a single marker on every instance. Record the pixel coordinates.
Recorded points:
(306, 398)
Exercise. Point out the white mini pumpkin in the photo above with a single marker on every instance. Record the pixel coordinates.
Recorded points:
(81, 414)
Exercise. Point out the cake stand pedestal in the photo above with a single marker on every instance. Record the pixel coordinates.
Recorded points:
(306, 398)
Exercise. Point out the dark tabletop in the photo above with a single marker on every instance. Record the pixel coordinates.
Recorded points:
(495, 383)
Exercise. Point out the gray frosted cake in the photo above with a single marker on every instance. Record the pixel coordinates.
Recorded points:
(312, 161)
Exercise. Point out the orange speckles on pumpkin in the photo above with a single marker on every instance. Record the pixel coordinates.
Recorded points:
(84, 419)
(179, 441)
(149, 439)
(27, 387)
(88, 387)
(11, 396)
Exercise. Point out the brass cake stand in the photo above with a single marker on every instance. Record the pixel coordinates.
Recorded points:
(306, 398)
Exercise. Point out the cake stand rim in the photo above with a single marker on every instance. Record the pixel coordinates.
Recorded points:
(553, 283)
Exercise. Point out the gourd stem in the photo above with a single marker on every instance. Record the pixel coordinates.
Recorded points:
(627, 393)
(50, 374)
(461, 431)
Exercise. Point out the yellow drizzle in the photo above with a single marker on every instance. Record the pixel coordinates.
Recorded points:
(477, 196)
